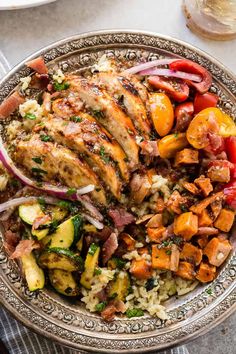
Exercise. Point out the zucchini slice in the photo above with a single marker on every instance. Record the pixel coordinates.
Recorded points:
(90, 264)
(119, 287)
(59, 258)
(63, 282)
(39, 234)
(29, 212)
(34, 275)
(65, 234)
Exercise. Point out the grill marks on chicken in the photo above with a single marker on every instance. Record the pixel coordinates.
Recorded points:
(109, 114)
(56, 162)
(93, 146)
(124, 90)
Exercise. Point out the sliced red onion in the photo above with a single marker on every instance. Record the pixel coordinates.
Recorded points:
(16, 202)
(93, 221)
(90, 207)
(171, 73)
(150, 64)
(86, 189)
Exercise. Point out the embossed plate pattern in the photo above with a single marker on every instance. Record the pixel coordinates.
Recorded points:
(70, 324)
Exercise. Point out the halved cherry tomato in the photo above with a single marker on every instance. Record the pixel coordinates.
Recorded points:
(230, 193)
(162, 113)
(183, 109)
(230, 147)
(194, 68)
(170, 144)
(221, 163)
(220, 148)
(227, 125)
(206, 100)
(177, 89)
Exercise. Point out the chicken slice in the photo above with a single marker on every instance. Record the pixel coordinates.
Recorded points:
(87, 140)
(55, 162)
(86, 124)
(123, 88)
(109, 114)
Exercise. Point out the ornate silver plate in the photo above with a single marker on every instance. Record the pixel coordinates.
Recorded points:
(70, 324)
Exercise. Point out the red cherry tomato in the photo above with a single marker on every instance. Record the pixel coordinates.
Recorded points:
(183, 109)
(230, 193)
(194, 68)
(222, 163)
(206, 100)
(230, 146)
(177, 89)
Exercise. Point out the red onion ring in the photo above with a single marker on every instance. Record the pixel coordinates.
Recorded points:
(150, 64)
(93, 221)
(171, 73)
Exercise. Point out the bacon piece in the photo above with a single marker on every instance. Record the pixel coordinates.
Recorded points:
(11, 241)
(24, 247)
(39, 81)
(207, 231)
(109, 247)
(10, 104)
(149, 147)
(46, 102)
(41, 220)
(102, 296)
(140, 187)
(38, 65)
(120, 217)
(110, 310)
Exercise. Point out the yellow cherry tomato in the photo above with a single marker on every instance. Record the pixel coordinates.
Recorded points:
(170, 144)
(227, 125)
(162, 113)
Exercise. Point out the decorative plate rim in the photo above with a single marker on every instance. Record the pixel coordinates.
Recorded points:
(191, 323)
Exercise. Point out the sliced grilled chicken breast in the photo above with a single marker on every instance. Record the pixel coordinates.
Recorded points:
(91, 145)
(109, 114)
(86, 124)
(120, 86)
(139, 87)
(55, 162)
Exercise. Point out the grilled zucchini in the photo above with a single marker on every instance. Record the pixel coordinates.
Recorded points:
(119, 287)
(90, 264)
(34, 275)
(63, 282)
(60, 258)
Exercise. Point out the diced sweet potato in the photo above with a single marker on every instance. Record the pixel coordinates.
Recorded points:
(199, 207)
(175, 202)
(186, 156)
(155, 221)
(219, 174)
(141, 269)
(206, 273)
(191, 254)
(158, 206)
(160, 257)
(204, 184)
(202, 241)
(217, 251)
(156, 234)
(191, 188)
(225, 220)
(186, 225)
(186, 271)
(204, 219)
(129, 241)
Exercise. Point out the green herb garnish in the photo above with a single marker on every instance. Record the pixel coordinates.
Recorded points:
(168, 252)
(30, 116)
(37, 160)
(53, 227)
(76, 119)
(46, 138)
(120, 263)
(97, 271)
(41, 200)
(177, 240)
(71, 191)
(98, 114)
(112, 296)
(103, 154)
(176, 135)
(38, 171)
(92, 249)
(150, 284)
(101, 306)
(61, 87)
(209, 291)
(134, 313)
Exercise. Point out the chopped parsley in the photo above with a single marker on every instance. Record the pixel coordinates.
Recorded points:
(97, 271)
(30, 116)
(70, 206)
(71, 191)
(92, 249)
(37, 160)
(177, 240)
(53, 227)
(103, 155)
(46, 138)
(134, 313)
(168, 252)
(101, 306)
(150, 284)
(41, 201)
(176, 135)
(98, 114)
(76, 119)
(209, 291)
(112, 296)
(120, 263)
(14, 182)
(61, 87)
(38, 171)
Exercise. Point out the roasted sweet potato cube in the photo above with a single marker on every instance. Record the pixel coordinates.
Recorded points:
(217, 251)
(225, 220)
(160, 257)
(191, 254)
(159, 206)
(204, 219)
(128, 240)
(191, 188)
(206, 273)
(186, 225)
(175, 202)
(219, 174)
(141, 269)
(203, 204)
(202, 241)
(155, 221)
(186, 271)
(204, 184)
(186, 156)
(156, 234)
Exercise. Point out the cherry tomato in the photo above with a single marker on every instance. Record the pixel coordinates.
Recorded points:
(206, 100)
(170, 144)
(222, 163)
(183, 109)
(162, 113)
(194, 68)
(219, 149)
(230, 147)
(227, 125)
(230, 193)
(177, 89)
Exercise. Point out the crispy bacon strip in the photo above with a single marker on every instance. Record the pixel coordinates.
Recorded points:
(10, 104)
(38, 65)
(120, 217)
(24, 247)
(109, 247)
